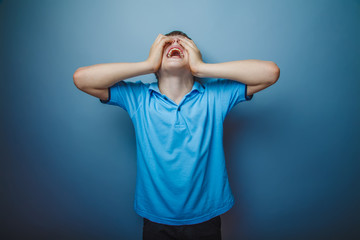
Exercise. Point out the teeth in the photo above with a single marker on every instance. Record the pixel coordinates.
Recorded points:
(169, 54)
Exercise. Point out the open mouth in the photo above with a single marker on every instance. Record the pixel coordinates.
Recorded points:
(175, 52)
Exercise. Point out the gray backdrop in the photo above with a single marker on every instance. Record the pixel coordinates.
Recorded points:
(68, 163)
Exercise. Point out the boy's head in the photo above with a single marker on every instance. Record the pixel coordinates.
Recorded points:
(177, 33)
(174, 34)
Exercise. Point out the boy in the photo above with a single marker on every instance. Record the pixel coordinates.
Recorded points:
(182, 185)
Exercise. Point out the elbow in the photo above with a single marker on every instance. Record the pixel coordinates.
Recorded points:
(78, 77)
(274, 73)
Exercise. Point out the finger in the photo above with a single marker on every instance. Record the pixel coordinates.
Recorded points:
(186, 44)
(187, 47)
(191, 47)
(185, 40)
(160, 40)
(190, 43)
(160, 37)
(166, 40)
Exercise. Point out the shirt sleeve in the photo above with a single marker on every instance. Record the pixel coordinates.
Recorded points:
(127, 95)
(228, 93)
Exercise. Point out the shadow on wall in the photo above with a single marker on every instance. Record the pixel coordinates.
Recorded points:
(233, 220)
(240, 132)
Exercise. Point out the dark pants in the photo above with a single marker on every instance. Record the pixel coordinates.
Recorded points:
(208, 230)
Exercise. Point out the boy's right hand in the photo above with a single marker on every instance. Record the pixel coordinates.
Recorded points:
(156, 51)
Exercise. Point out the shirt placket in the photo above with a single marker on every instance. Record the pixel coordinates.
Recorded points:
(179, 119)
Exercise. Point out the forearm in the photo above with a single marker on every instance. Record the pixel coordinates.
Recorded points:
(107, 74)
(250, 72)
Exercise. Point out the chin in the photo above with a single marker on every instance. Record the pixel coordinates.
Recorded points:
(175, 65)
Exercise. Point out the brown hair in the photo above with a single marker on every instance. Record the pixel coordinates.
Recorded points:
(176, 33)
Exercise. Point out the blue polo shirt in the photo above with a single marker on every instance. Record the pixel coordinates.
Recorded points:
(181, 174)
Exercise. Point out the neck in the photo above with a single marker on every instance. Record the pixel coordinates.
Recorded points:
(175, 87)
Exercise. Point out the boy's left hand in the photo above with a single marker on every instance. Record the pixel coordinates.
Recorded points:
(195, 58)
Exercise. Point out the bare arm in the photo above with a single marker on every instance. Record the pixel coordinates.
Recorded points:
(96, 79)
(257, 74)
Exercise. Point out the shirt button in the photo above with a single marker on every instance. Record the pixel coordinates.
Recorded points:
(178, 108)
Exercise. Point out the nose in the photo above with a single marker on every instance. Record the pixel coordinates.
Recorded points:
(175, 40)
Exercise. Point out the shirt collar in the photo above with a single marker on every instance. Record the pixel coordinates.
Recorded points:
(197, 86)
